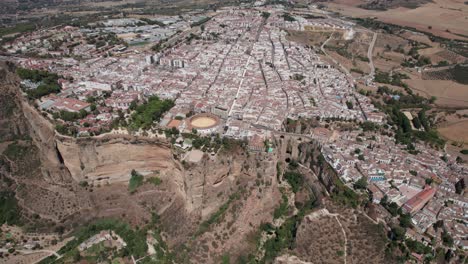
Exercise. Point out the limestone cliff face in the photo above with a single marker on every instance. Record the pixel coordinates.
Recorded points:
(310, 155)
(108, 159)
(206, 179)
(43, 134)
(112, 158)
(12, 122)
(190, 192)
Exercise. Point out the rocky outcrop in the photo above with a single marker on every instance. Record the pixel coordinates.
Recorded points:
(310, 154)
(108, 160)
(80, 179)
(112, 158)
(12, 122)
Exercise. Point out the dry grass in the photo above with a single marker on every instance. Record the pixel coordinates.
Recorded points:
(456, 131)
(448, 93)
(439, 14)
(320, 239)
(308, 37)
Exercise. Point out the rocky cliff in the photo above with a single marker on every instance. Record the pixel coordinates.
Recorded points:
(112, 158)
(12, 122)
(77, 177)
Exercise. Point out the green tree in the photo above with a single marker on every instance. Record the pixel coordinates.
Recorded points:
(9, 210)
(295, 179)
(361, 183)
(416, 122)
(398, 233)
(405, 220)
(447, 239)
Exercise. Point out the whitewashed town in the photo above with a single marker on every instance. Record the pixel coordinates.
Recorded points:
(235, 73)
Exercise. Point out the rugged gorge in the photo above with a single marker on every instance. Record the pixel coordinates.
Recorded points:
(62, 180)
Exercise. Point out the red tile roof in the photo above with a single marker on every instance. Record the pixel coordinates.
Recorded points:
(417, 202)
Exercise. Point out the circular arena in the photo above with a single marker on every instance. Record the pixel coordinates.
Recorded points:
(204, 122)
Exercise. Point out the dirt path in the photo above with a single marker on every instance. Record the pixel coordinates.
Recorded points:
(344, 234)
(369, 55)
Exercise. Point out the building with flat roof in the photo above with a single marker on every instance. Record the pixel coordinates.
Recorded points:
(220, 111)
(71, 105)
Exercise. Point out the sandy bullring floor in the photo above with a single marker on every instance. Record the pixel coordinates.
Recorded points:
(203, 122)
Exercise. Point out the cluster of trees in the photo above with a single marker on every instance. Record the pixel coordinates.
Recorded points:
(341, 50)
(265, 15)
(460, 186)
(153, 22)
(159, 46)
(404, 133)
(149, 112)
(295, 179)
(70, 116)
(201, 22)
(288, 17)
(391, 207)
(283, 239)
(447, 239)
(15, 151)
(385, 90)
(356, 70)
(213, 143)
(136, 180)
(36, 75)
(101, 40)
(369, 126)
(459, 73)
(66, 130)
(417, 61)
(9, 210)
(344, 195)
(48, 82)
(18, 28)
(135, 239)
(361, 183)
(418, 247)
(283, 207)
(297, 77)
(43, 90)
(394, 79)
(286, 233)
